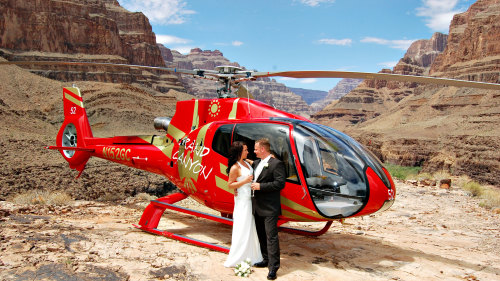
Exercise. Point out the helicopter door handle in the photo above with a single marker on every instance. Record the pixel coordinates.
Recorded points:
(305, 193)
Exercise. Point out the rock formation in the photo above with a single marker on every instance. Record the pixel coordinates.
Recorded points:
(82, 30)
(373, 97)
(342, 88)
(440, 128)
(309, 96)
(473, 51)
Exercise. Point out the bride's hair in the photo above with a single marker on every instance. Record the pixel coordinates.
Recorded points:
(235, 152)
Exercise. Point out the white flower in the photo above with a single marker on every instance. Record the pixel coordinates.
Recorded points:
(266, 165)
(243, 269)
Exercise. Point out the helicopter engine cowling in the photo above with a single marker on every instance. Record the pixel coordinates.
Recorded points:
(161, 123)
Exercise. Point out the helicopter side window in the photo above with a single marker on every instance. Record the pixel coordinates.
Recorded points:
(279, 138)
(222, 140)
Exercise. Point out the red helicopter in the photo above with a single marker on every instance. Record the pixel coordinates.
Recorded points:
(330, 176)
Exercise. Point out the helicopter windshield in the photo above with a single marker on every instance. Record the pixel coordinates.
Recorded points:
(333, 171)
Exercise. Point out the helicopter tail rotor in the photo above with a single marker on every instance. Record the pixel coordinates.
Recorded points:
(71, 139)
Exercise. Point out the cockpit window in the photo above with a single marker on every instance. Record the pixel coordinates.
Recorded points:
(364, 153)
(334, 173)
(222, 139)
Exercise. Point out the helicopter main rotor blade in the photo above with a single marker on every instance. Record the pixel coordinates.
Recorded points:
(240, 76)
(161, 68)
(379, 76)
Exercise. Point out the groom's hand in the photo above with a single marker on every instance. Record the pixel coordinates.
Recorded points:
(255, 186)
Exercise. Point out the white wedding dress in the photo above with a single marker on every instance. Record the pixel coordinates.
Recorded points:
(244, 242)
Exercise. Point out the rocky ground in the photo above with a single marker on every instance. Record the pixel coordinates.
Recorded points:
(428, 234)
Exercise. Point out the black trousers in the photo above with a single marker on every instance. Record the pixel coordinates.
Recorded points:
(267, 230)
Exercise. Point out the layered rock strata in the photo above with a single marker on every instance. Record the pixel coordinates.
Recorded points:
(449, 128)
(373, 97)
(87, 31)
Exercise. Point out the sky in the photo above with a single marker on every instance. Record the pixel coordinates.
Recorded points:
(281, 35)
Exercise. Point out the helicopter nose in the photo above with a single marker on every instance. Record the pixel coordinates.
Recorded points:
(381, 196)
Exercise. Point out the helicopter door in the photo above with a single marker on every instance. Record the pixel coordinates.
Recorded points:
(278, 136)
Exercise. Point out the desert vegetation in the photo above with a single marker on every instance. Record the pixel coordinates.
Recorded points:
(489, 195)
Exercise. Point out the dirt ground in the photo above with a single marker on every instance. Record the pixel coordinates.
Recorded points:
(428, 234)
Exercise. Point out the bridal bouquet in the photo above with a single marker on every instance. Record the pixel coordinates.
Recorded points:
(243, 269)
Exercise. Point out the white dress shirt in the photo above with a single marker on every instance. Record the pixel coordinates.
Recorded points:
(260, 167)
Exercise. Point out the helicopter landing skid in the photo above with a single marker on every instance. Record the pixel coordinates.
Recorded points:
(153, 212)
(306, 232)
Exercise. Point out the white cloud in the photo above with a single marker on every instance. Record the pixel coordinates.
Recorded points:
(175, 43)
(315, 3)
(183, 49)
(308, 80)
(396, 44)
(388, 64)
(439, 13)
(237, 43)
(340, 42)
(300, 80)
(171, 40)
(160, 11)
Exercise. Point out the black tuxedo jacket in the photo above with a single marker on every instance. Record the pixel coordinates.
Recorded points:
(266, 201)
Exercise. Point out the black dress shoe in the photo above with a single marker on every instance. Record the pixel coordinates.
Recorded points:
(271, 275)
(261, 264)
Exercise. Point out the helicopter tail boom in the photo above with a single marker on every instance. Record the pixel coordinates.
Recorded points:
(74, 130)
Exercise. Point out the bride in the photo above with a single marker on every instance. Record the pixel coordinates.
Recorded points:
(244, 242)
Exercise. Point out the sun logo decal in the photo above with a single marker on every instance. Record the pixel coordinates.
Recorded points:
(214, 108)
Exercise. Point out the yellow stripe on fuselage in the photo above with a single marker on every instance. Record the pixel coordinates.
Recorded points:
(299, 208)
(291, 215)
(232, 114)
(73, 100)
(160, 142)
(223, 169)
(175, 133)
(222, 184)
(196, 118)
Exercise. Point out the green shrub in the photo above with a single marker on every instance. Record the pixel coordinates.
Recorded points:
(491, 198)
(402, 172)
(474, 188)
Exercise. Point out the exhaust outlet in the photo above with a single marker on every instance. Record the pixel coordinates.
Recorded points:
(161, 123)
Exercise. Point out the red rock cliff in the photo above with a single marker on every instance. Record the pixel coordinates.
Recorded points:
(94, 27)
(473, 51)
(373, 97)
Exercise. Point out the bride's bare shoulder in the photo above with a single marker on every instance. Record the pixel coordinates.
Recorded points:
(234, 169)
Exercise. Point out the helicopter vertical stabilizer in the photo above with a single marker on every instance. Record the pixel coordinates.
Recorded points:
(74, 130)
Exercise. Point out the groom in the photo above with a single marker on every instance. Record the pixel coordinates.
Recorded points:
(269, 180)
